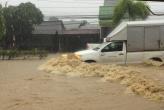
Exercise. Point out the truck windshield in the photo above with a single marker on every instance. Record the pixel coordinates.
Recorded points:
(100, 46)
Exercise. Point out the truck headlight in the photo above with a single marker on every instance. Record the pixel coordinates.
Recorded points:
(78, 56)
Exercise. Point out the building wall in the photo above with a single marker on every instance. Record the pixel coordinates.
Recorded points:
(45, 42)
(105, 16)
(64, 43)
(106, 12)
(110, 2)
(105, 31)
(45, 37)
(71, 43)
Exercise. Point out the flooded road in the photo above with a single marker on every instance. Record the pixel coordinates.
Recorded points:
(23, 87)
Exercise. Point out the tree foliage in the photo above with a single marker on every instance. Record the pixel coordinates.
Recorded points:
(130, 9)
(20, 22)
(2, 23)
(9, 16)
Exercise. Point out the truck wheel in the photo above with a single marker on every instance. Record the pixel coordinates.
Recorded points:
(90, 61)
(157, 59)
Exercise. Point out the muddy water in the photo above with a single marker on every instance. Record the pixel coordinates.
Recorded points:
(135, 82)
(23, 87)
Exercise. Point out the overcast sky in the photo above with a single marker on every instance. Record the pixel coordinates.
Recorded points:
(73, 7)
(63, 7)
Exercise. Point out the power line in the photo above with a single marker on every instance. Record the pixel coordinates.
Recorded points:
(77, 18)
(89, 0)
(89, 15)
(70, 2)
(83, 15)
(68, 7)
(79, 23)
(76, 1)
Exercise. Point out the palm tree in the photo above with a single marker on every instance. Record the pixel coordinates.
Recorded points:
(130, 9)
(2, 23)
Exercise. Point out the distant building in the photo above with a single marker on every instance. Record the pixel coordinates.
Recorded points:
(110, 2)
(105, 16)
(68, 36)
(46, 35)
(76, 36)
(52, 18)
(69, 25)
(49, 28)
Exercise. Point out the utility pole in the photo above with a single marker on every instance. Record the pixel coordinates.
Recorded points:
(59, 40)
(6, 3)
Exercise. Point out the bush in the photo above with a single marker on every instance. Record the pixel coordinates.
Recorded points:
(11, 54)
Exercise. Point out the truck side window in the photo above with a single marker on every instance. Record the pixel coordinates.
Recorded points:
(114, 46)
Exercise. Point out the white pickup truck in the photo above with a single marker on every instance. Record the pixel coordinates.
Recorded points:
(115, 52)
(131, 42)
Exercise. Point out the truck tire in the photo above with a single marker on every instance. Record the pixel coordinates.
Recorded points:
(90, 61)
(157, 59)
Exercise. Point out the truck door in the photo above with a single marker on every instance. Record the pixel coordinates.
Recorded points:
(113, 53)
(152, 38)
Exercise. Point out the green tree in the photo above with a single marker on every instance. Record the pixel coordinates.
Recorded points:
(2, 23)
(131, 10)
(20, 22)
(10, 22)
(28, 16)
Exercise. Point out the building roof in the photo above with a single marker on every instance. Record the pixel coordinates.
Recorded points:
(73, 28)
(110, 2)
(90, 26)
(72, 25)
(86, 29)
(81, 31)
(49, 27)
(69, 25)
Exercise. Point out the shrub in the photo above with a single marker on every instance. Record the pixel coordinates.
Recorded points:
(10, 54)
